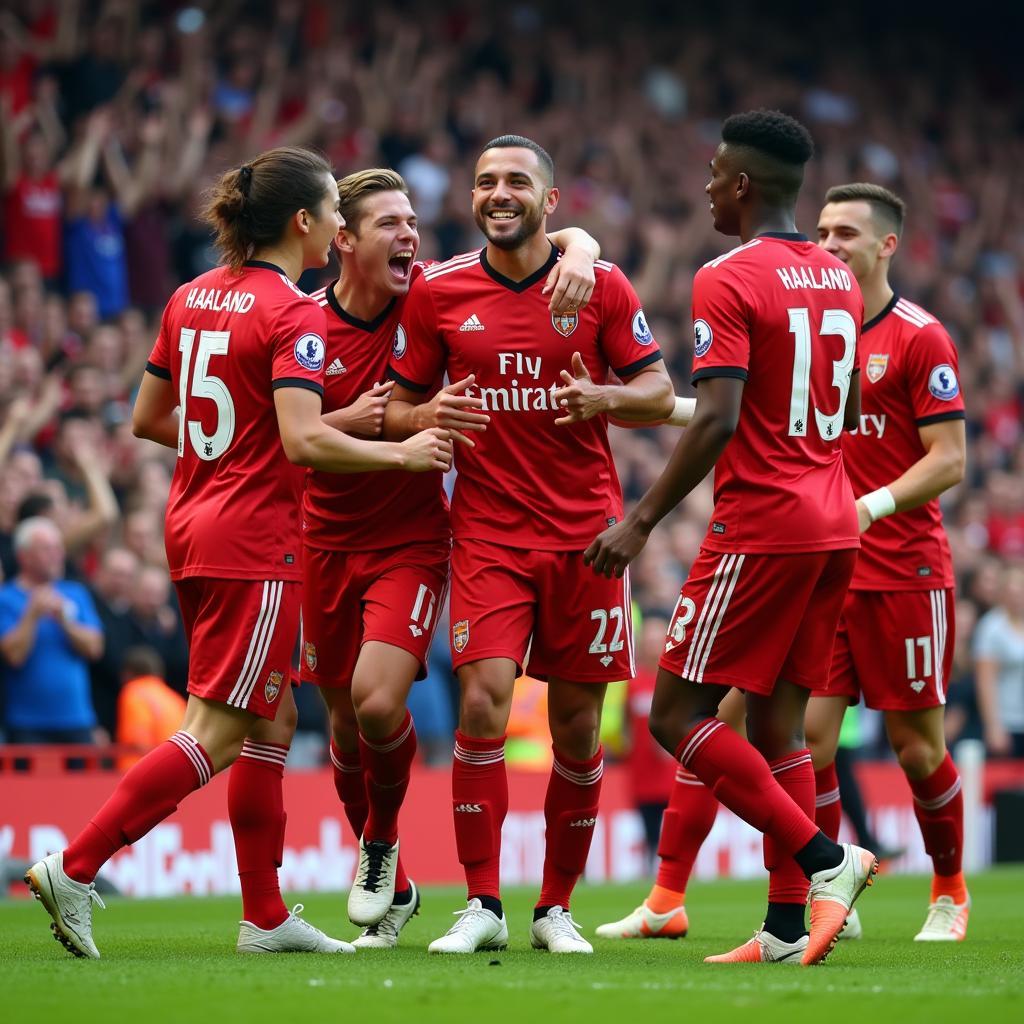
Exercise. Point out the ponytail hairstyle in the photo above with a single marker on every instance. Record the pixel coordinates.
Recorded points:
(250, 206)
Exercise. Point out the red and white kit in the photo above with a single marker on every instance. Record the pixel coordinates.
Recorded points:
(375, 545)
(227, 341)
(531, 496)
(764, 596)
(895, 641)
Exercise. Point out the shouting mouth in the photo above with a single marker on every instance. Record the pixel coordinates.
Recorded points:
(400, 265)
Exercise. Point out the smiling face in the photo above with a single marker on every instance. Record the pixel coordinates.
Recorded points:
(382, 242)
(724, 189)
(850, 231)
(511, 196)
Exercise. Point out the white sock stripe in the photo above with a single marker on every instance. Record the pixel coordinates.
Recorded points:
(189, 746)
(387, 748)
(794, 762)
(824, 799)
(687, 778)
(724, 604)
(699, 629)
(479, 757)
(699, 739)
(267, 748)
(244, 673)
(587, 778)
(941, 800)
(248, 755)
(276, 589)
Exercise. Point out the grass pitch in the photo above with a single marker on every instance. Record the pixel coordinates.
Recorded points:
(173, 960)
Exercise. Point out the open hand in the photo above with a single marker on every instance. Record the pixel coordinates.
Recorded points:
(581, 398)
(457, 412)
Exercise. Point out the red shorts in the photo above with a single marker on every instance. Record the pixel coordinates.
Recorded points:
(750, 620)
(241, 634)
(393, 595)
(580, 622)
(895, 647)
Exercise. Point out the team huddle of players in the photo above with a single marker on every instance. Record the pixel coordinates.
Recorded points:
(828, 407)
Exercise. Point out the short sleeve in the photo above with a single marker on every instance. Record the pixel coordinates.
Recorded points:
(298, 347)
(418, 352)
(159, 362)
(933, 376)
(986, 637)
(721, 327)
(626, 338)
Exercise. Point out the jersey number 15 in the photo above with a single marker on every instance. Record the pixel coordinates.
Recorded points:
(196, 381)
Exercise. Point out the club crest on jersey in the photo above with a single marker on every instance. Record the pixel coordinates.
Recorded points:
(460, 635)
(565, 323)
(702, 337)
(309, 650)
(401, 342)
(273, 687)
(942, 383)
(310, 351)
(641, 332)
(877, 365)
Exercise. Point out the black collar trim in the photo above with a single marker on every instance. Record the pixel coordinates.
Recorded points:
(364, 325)
(876, 320)
(527, 282)
(786, 236)
(264, 265)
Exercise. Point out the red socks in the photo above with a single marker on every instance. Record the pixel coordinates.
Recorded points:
(350, 784)
(570, 814)
(786, 881)
(479, 805)
(256, 810)
(939, 807)
(386, 765)
(689, 817)
(828, 812)
(741, 779)
(149, 792)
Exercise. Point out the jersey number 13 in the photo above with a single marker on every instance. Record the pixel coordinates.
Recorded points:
(833, 321)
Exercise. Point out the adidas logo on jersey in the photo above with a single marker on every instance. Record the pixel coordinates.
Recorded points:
(468, 809)
(472, 324)
(336, 367)
(583, 823)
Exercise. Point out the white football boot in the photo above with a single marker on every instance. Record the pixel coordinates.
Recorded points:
(831, 898)
(68, 902)
(946, 921)
(557, 932)
(293, 935)
(373, 890)
(384, 934)
(852, 930)
(475, 928)
(644, 923)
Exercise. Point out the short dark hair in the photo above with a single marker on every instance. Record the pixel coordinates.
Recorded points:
(886, 206)
(141, 661)
(33, 505)
(772, 133)
(522, 142)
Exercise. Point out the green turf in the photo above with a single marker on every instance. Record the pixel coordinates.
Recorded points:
(172, 960)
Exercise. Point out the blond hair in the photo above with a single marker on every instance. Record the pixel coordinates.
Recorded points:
(355, 188)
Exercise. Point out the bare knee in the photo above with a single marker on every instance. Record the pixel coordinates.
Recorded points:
(576, 734)
(917, 756)
(344, 730)
(378, 714)
(485, 701)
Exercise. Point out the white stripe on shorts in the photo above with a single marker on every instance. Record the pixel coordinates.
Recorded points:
(259, 643)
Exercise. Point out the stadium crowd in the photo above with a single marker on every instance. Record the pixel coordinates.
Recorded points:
(115, 116)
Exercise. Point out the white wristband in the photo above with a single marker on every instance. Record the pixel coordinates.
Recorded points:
(683, 411)
(879, 503)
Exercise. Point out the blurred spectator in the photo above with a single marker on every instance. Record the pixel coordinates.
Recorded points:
(156, 621)
(999, 668)
(148, 710)
(112, 592)
(49, 632)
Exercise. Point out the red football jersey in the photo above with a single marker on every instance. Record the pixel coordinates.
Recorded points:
(909, 380)
(784, 316)
(527, 483)
(227, 341)
(367, 511)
